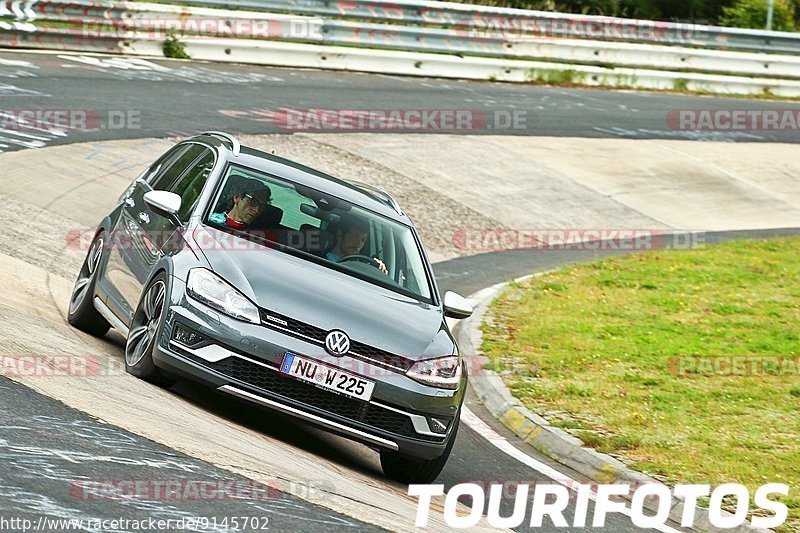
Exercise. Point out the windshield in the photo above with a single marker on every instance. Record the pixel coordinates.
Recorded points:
(321, 228)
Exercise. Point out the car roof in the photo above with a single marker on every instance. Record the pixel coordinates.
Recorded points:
(357, 193)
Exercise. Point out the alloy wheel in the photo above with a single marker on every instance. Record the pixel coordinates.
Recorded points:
(86, 276)
(142, 335)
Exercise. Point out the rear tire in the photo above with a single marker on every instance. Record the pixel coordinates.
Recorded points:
(143, 335)
(82, 313)
(413, 470)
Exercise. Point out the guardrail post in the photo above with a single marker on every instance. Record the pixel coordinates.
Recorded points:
(770, 13)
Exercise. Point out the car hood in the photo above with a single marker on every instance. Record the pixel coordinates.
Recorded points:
(328, 299)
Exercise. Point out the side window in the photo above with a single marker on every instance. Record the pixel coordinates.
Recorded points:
(150, 172)
(189, 186)
(162, 162)
(170, 173)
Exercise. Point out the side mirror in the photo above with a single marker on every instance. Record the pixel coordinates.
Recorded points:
(165, 203)
(456, 306)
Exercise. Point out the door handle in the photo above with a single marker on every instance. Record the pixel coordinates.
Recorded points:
(129, 202)
(144, 218)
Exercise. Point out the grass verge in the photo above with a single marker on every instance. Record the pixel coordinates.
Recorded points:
(682, 363)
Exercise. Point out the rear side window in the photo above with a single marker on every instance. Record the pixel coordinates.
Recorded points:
(169, 174)
(190, 185)
(151, 172)
(163, 162)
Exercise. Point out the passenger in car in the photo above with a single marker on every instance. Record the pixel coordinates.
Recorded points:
(250, 199)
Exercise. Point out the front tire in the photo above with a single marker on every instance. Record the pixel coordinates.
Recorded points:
(413, 470)
(143, 334)
(82, 313)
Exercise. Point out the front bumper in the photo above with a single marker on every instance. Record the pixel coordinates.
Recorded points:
(245, 363)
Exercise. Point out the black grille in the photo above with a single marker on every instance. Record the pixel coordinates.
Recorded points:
(273, 381)
(384, 418)
(294, 326)
(301, 329)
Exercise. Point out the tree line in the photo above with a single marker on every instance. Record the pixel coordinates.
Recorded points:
(733, 13)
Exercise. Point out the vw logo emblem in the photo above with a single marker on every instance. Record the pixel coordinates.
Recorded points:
(337, 342)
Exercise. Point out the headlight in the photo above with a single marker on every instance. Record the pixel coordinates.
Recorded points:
(444, 372)
(208, 288)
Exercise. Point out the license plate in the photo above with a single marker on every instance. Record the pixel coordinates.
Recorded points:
(327, 377)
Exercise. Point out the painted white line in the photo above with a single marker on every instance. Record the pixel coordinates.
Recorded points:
(16, 63)
(17, 142)
(499, 442)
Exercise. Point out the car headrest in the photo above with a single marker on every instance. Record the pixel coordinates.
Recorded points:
(315, 240)
(270, 218)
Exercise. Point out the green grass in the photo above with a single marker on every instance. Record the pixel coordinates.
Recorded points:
(595, 347)
(174, 48)
(681, 84)
(562, 78)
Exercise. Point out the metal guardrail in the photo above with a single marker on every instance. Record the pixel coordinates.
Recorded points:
(100, 22)
(524, 22)
(106, 25)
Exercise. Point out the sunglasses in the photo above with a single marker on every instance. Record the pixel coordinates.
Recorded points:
(255, 202)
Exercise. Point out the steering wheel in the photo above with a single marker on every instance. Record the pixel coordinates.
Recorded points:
(361, 259)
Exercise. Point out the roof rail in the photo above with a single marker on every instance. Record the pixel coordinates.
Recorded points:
(385, 196)
(228, 137)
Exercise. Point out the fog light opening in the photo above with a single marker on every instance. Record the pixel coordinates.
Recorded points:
(440, 425)
(185, 336)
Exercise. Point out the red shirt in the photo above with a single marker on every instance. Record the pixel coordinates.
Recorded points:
(232, 223)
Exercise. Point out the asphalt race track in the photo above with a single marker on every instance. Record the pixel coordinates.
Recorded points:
(48, 448)
(166, 97)
(46, 444)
